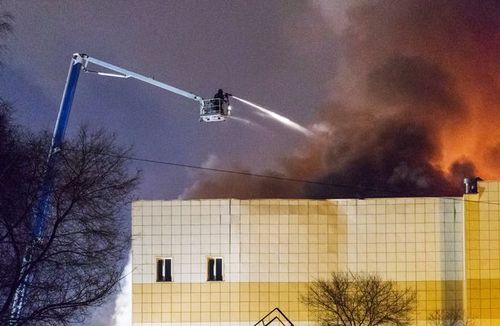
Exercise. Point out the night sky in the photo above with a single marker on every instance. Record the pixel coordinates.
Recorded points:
(402, 100)
(402, 97)
(271, 52)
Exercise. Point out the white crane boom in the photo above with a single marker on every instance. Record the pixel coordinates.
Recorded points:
(130, 74)
(211, 110)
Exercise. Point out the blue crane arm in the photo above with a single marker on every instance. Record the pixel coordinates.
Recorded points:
(42, 207)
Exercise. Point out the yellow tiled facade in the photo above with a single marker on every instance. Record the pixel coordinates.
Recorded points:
(273, 249)
(482, 252)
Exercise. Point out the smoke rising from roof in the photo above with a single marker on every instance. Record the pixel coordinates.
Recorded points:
(414, 110)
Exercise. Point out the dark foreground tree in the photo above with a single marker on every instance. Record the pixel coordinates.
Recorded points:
(79, 262)
(450, 317)
(360, 300)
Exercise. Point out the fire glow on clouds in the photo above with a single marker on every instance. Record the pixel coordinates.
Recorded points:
(415, 107)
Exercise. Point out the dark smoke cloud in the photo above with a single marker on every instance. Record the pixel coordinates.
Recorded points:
(418, 78)
(410, 82)
(223, 185)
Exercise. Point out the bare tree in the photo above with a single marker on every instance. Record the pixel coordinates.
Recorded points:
(80, 260)
(360, 300)
(450, 317)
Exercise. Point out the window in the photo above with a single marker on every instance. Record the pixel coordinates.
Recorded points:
(215, 269)
(164, 270)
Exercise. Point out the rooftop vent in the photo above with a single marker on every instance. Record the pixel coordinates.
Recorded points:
(471, 185)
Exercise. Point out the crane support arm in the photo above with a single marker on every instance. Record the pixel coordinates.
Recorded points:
(124, 73)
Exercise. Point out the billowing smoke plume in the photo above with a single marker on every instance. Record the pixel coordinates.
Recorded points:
(417, 108)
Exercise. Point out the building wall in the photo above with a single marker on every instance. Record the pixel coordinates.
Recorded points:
(273, 249)
(482, 247)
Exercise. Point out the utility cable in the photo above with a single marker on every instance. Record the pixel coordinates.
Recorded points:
(279, 178)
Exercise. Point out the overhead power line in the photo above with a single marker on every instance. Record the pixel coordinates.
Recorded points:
(279, 178)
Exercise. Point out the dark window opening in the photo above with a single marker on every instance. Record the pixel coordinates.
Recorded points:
(164, 270)
(215, 269)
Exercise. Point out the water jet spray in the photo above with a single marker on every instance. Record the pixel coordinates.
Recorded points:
(278, 117)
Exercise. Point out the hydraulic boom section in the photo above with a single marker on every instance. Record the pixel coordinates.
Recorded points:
(211, 110)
